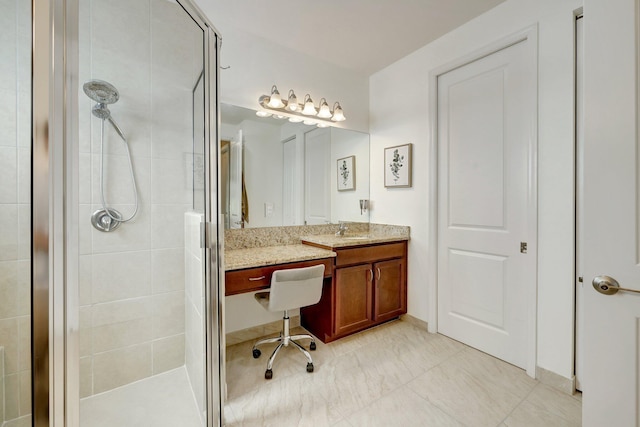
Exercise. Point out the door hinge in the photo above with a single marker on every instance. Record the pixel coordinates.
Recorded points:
(523, 247)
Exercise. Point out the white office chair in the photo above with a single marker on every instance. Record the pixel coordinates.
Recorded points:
(293, 288)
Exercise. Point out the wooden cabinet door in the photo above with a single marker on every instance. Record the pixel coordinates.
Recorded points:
(353, 298)
(390, 289)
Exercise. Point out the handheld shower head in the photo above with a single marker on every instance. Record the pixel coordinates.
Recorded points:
(101, 111)
(100, 91)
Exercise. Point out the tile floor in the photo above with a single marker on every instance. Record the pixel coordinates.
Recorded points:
(392, 375)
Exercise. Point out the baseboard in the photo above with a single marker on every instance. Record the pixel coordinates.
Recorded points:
(565, 385)
(255, 332)
(418, 323)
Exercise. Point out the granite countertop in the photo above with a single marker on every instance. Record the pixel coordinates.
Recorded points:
(237, 259)
(333, 241)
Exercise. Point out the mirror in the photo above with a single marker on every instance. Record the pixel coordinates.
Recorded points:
(277, 173)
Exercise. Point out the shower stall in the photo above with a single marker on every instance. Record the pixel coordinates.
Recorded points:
(110, 308)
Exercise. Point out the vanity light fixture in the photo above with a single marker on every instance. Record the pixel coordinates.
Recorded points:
(321, 116)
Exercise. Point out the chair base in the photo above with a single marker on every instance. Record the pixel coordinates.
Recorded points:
(285, 339)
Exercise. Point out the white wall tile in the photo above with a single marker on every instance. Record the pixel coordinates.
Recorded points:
(121, 311)
(24, 231)
(9, 174)
(24, 175)
(24, 287)
(168, 353)
(84, 331)
(122, 334)
(24, 343)
(119, 276)
(167, 229)
(12, 396)
(86, 376)
(8, 116)
(167, 270)
(24, 386)
(9, 340)
(9, 235)
(8, 290)
(168, 314)
(118, 367)
(171, 181)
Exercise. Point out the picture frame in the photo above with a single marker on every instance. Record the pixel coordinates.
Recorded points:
(346, 173)
(397, 166)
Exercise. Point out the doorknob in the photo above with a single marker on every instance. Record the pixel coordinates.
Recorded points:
(609, 286)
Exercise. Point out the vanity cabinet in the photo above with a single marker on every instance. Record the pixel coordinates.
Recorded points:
(369, 287)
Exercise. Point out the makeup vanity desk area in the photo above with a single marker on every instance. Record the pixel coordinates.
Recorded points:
(365, 279)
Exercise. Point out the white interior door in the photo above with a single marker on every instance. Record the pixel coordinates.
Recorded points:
(289, 181)
(235, 182)
(486, 202)
(317, 191)
(611, 220)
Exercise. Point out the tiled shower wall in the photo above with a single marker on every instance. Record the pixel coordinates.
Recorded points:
(15, 199)
(132, 291)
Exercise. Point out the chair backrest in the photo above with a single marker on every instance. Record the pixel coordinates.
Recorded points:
(296, 287)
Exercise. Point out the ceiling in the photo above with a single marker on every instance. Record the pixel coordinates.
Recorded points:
(362, 35)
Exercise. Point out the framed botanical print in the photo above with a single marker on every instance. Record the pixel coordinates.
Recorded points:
(346, 173)
(397, 166)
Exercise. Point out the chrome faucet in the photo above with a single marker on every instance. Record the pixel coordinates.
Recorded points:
(342, 228)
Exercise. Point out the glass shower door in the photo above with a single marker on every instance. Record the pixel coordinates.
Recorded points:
(146, 285)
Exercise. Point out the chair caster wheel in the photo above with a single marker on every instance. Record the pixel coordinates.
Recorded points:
(312, 346)
(268, 374)
(256, 353)
(309, 367)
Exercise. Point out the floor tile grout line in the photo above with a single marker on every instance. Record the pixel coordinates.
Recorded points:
(519, 403)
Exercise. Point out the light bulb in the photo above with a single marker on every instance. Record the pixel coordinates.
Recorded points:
(324, 112)
(274, 100)
(309, 109)
(338, 114)
(292, 103)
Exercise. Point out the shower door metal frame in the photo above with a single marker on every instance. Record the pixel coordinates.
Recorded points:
(54, 245)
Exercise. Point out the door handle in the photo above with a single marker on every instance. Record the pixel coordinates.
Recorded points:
(609, 286)
(379, 274)
(371, 272)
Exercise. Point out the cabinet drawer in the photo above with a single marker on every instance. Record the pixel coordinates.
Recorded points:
(369, 254)
(255, 279)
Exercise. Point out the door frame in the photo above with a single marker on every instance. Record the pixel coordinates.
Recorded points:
(530, 35)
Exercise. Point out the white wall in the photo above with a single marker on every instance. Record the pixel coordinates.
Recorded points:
(345, 205)
(257, 64)
(401, 115)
